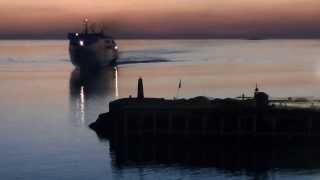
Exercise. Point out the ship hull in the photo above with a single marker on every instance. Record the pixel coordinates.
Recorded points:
(92, 57)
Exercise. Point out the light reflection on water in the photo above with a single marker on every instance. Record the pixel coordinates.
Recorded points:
(214, 160)
(46, 106)
(91, 92)
(82, 101)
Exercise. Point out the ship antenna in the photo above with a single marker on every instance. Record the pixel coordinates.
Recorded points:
(93, 27)
(257, 89)
(102, 28)
(86, 26)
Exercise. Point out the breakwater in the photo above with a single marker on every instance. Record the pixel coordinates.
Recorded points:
(203, 117)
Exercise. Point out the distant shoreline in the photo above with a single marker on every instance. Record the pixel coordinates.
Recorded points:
(248, 39)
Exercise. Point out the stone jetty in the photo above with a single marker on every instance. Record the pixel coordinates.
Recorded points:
(205, 118)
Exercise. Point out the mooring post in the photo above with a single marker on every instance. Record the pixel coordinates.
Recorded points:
(310, 119)
(141, 121)
(170, 128)
(117, 129)
(125, 125)
(239, 126)
(221, 126)
(255, 125)
(154, 119)
(273, 126)
(204, 124)
(170, 152)
(186, 125)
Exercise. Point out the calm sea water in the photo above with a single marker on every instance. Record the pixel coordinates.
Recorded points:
(46, 106)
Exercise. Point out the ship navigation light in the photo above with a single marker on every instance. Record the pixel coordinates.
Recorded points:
(81, 43)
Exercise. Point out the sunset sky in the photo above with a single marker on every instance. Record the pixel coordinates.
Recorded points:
(162, 19)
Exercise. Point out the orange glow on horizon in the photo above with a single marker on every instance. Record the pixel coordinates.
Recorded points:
(167, 16)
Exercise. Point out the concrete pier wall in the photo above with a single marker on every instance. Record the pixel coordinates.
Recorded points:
(200, 117)
(215, 122)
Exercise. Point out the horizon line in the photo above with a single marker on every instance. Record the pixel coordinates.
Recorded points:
(172, 38)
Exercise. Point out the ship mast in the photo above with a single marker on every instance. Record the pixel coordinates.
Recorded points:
(85, 26)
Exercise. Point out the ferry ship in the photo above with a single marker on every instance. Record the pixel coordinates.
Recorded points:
(92, 50)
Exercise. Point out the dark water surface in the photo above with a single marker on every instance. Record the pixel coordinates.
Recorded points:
(46, 106)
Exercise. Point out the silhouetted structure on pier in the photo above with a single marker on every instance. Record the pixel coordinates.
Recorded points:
(140, 89)
(205, 118)
(245, 135)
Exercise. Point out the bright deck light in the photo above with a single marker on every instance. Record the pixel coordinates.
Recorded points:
(81, 43)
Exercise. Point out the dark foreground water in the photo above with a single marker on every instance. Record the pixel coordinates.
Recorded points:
(46, 106)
